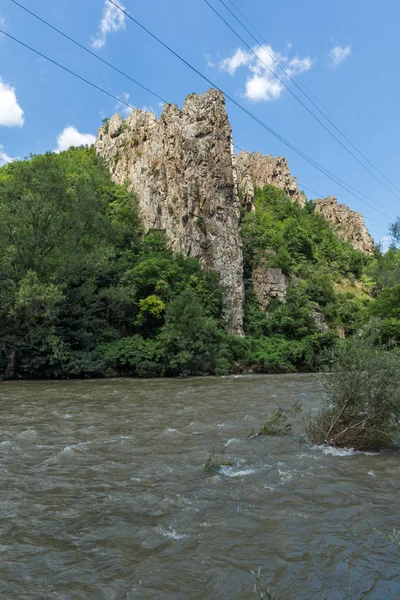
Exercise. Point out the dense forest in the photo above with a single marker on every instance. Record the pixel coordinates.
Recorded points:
(84, 292)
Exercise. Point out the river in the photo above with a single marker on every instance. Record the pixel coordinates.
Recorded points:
(103, 495)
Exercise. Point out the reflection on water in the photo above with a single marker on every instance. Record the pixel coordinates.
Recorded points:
(103, 494)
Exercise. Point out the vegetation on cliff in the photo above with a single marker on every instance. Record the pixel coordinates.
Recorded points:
(84, 292)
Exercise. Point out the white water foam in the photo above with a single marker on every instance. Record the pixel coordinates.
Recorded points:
(232, 440)
(230, 472)
(78, 446)
(333, 451)
(171, 534)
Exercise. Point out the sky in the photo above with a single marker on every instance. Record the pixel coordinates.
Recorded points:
(343, 54)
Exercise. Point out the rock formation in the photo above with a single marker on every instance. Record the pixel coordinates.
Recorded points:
(257, 170)
(268, 283)
(181, 168)
(188, 183)
(348, 223)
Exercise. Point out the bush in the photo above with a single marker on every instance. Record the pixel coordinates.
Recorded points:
(190, 341)
(134, 355)
(278, 422)
(362, 405)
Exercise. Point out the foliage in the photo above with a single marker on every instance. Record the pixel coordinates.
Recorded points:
(279, 421)
(85, 292)
(190, 340)
(362, 386)
(279, 224)
(215, 463)
(82, 291)
(304, 246)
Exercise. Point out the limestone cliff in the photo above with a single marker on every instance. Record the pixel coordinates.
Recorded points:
(257, 170)
(181, 168)
(348, 223)
(188, 183)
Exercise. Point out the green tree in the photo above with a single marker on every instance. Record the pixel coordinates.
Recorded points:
(55, 232)
(189, 340)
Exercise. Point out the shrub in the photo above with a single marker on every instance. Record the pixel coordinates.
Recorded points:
(362, 404)
(214, 463)
(134, 355)
(278, 422)
(189, 340)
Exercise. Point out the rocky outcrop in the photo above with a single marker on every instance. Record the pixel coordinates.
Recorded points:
(319, 319)
(188, 183)
(258, 170)
(349, 224)
(268, 284)
(181, 168)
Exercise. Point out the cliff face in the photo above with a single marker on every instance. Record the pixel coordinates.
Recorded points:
(188, 182)
(257, 170)
(349, 224)
(268, 284)
(181, 168)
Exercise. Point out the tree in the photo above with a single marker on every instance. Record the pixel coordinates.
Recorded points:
(394, 230)
(189, 340)
(55, 233)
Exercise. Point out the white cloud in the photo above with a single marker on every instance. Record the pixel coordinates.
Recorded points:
(11, 114)
(70, 136)
(338, 54)
(298, 65)
(210, 63)
(262, 84)
(4, 158)
(113, 20)
(239, 59)
(121, 107)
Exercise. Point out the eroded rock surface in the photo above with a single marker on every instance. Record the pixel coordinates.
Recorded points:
(258, 170)
(268, 284)
(349, 224)
(181, 167)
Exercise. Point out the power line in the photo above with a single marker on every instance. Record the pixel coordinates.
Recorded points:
(86, 80)
(108, 93)
(289, 90)
(67, 70)
(349, 141)
(90, 52)
(318, 196)
(320, 168)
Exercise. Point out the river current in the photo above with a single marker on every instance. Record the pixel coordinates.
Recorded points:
(103, 495)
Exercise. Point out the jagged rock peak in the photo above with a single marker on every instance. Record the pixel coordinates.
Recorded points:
(349, 224)
(181, 168)
(257, 170)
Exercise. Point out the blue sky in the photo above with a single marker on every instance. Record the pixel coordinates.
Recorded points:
(344, 52)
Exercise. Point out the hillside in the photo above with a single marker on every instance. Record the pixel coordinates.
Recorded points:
(160, 252)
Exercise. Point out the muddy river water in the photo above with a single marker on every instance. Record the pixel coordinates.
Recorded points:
(103, 495)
